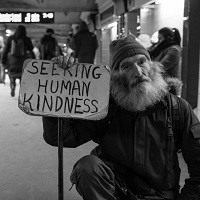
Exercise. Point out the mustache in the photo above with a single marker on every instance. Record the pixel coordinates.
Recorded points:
(139, 79)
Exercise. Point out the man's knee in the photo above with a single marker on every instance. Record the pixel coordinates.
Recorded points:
(89, 167)
(85, 166)
(89, 174)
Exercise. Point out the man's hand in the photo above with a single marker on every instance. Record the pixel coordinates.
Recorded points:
(65, 62)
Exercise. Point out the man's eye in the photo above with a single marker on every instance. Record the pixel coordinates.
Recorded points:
(141, 62)
(124, 67)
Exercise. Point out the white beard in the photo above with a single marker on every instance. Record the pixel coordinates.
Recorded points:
(141, 95)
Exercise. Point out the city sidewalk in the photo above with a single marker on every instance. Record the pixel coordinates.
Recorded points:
(28, 166)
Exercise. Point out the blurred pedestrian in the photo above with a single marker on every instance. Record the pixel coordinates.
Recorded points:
(2, 67)
(84, 43)
(48, 46)
(68, 50)
(168, 51)
(18, 48)
(36, 50)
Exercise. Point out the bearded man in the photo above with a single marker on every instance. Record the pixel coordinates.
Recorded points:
(137, 153)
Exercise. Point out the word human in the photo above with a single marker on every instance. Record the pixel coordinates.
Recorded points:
(57, 90)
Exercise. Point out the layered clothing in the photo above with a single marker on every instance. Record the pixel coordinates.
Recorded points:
(15, 63)
(139, 143)
(49, 48)
(169, 54)
(84, 43)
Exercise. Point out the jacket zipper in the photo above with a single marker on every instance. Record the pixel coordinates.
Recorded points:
(170, 140)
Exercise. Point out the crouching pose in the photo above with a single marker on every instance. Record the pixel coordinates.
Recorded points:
(139, 139)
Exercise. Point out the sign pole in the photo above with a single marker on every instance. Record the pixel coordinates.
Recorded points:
(60, 159)
(48, 89)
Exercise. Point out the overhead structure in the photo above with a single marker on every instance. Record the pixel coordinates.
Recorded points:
(66, 13)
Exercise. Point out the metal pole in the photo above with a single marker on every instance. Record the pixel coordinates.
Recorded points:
(60, 159)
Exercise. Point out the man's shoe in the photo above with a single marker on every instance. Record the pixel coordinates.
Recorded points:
(12, 93)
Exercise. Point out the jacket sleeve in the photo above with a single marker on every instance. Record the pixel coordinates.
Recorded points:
(191, 153)
(96, 43)
(30, 47)
(29, 44)
(172, 56)
(72, 44)
(75, 132)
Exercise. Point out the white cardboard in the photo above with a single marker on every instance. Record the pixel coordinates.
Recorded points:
(82, 91)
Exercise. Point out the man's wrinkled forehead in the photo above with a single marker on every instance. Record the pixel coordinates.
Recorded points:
(133, 59)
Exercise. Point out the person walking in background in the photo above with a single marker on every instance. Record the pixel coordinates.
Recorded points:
(36, 50)
(18, 48)
(138, 139)
(68, 50)
(2, 67)
(168, 51)
(48, 46)
(84, 43)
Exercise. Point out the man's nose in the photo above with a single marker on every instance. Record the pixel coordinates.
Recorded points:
(137, 71)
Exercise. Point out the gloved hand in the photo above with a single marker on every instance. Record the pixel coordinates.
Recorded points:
(65, 62)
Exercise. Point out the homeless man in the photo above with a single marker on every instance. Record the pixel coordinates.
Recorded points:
(137, 153)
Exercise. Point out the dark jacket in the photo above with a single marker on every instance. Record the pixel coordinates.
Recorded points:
(48, 47)
(84, 44)
(169, 54)
(139, 142)
(15, 64)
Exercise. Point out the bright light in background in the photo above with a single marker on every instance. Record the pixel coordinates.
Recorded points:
(169, 3)
(138, 19)
(8, 32)
(166, 7)
(114, 32)
(170, 13)
(144, 9)
(176, 2)
(112, 24)
(158, 1)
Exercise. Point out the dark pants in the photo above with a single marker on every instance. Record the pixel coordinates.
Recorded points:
(2, 72)
(13, 82)
(96, 180)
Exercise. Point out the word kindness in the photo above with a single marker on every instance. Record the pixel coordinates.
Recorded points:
(80, 91)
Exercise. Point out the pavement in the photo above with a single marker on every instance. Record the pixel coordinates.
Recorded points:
(29, 166)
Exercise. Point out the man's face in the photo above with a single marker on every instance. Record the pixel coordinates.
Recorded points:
(135, 70)
(138, 83)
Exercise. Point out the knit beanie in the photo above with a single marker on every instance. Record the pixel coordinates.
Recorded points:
(123, 48)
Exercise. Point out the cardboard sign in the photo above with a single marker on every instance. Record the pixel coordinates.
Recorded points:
(82, 91)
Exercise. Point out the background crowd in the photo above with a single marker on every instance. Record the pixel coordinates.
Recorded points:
(164, 46)
(20, 47)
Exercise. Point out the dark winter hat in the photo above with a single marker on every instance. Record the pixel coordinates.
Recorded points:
(125, 47)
